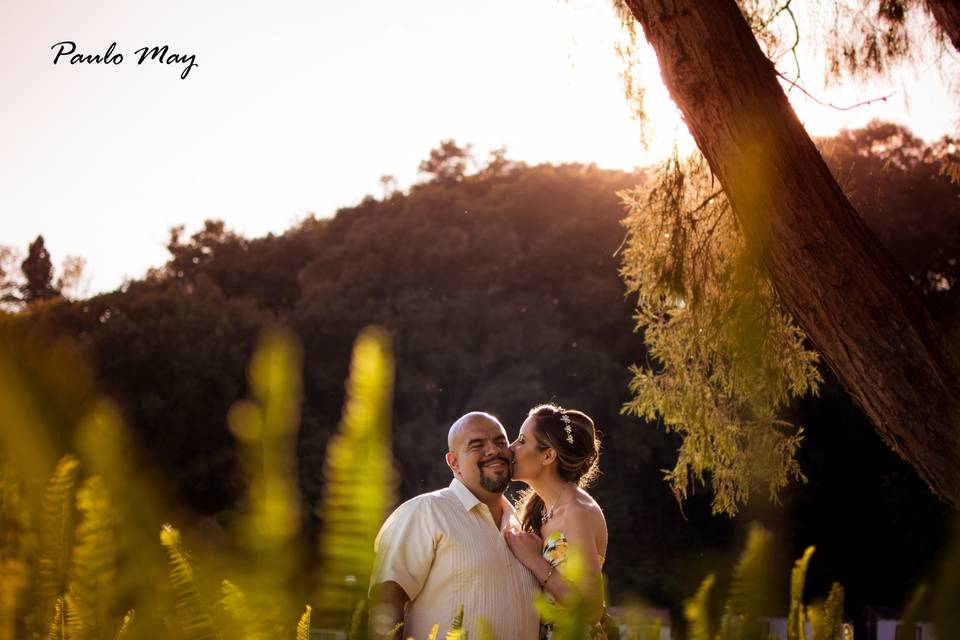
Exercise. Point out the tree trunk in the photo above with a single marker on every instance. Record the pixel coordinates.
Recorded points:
(947, 15)
(861, 312)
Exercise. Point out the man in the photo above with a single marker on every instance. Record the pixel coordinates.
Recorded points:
(445, 549)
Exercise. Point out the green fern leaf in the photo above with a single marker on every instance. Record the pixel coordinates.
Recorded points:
(696, 611)
(193, 615)
(456, 631)
(484, 632)
(93, 570)
(750, 586)
(266, 429)
(74, 626)
(912, 611)
(359, 481)
(303, 627)
(58, 624)
(946, 593)
(827, 622)
(358, 624)
(798, 578)
(57, 530)
(124, 629)
(235, 602)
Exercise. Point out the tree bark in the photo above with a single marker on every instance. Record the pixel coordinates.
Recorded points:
(947, 15)
(862, 313)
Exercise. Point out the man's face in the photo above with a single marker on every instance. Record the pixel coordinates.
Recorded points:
(480, 456)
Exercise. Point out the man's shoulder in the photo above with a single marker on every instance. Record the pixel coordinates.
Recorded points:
(426, 502)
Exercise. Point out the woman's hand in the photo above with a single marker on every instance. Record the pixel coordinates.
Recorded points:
(527, 546)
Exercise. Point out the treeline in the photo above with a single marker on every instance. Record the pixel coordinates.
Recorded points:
(500, 290)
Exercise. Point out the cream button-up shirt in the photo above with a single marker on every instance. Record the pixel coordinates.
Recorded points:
(444, 550)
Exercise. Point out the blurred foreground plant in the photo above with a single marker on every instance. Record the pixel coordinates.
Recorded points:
(72, 557)
(75, 562)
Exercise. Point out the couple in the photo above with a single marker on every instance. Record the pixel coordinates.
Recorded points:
(467, 545)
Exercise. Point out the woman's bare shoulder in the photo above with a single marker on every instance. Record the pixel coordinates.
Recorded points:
(586, 510)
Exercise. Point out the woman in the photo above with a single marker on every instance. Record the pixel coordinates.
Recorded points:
(556, 454)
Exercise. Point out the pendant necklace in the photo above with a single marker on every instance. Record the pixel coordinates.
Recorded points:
(546, 515)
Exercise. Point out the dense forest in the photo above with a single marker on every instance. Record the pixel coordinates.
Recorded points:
(500, 290)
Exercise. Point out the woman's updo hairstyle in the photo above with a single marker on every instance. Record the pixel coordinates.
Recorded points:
(572, 435)
(577, 447)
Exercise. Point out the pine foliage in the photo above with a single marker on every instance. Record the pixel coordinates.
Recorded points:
(725, 356)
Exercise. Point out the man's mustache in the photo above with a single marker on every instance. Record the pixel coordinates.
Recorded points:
(505, 459)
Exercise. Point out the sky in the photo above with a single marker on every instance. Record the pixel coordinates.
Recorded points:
(299, 107)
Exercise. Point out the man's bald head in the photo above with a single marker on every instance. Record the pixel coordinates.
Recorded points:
(456, 430)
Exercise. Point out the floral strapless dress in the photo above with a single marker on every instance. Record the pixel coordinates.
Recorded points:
(555, 552)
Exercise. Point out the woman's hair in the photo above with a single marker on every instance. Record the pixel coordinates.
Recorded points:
(572, 434)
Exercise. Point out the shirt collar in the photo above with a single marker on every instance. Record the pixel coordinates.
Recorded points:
(469, 501)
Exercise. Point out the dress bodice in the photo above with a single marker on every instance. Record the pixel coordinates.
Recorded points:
(555, 548)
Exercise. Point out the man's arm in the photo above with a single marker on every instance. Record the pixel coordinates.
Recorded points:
(388, 601)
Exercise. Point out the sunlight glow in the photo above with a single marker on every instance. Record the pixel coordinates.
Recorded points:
(305, 117)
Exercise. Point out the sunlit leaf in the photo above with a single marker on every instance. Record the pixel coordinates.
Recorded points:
(359, 480)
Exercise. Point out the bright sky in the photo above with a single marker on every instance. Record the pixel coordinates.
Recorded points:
(299, 107)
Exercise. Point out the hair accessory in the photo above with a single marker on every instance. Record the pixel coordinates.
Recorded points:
(566, 426)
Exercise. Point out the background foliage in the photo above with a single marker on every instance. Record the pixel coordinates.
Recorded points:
(500, 289)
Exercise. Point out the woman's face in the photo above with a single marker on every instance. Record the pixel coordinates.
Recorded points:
(527, 455)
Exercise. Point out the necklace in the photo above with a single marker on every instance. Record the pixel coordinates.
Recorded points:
(546, 515)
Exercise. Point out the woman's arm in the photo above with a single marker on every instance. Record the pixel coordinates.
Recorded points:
(580, 533)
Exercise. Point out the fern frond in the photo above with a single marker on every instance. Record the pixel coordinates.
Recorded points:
(235, 602)
(456, 632)
(74, 626)
(828, 622)
(484, 632)
(750, 585)
(124, 629)
(433, 632)
(696, 611)
(359, 629)
(359, 480)
(946, 592)
(93, 569)
(266, 430)
(193, 615)
(303, 627)
(798, 578)
(912, 613)
(57, 530)
(57, 630)
(13, 577)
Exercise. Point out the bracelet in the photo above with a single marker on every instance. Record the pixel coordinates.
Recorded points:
(546, 578)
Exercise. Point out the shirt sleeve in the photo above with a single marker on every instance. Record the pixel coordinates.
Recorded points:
(405, 548)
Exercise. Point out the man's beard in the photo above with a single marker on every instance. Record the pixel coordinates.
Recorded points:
(495, 485)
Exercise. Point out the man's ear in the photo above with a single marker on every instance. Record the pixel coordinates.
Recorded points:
(453, 462)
